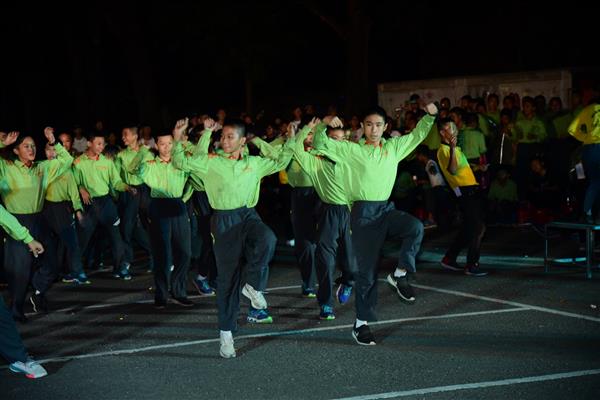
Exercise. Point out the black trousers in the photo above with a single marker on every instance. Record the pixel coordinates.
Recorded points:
(11, 345)
(305, 215)
(134, 225)
(61, 221)
(373, 222)
(171, 248)
(333, 244)
(203, 256)
(472, 229)
(20, 265)
(104, 212)
(239, 233)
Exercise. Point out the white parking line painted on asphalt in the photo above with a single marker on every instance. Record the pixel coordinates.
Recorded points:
(478, 385)
(508, 303)
(271, 334)
(108, 305)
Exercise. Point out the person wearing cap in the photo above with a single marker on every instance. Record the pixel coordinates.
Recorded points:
(370, 169)
(460, 177)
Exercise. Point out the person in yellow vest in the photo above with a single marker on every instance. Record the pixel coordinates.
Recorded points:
(586, 128)
(458, 174)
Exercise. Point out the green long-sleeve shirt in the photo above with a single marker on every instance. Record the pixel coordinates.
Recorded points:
(326, 176)
(230, 183)
(123, 159)
(297, 177)
(64, 188)
(163, 179)
(97, 176)
(370, 171)
(12, 226)
(23, 188)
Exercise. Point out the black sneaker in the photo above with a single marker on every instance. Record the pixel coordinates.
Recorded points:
(402, 287)
(39, 303)
(474, 270)
(363, 335)
(452, 265)
(183, 301)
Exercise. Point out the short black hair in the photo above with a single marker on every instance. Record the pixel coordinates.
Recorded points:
(375, 111)
(93, 134)
(237, 125)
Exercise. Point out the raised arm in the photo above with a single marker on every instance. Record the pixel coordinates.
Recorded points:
(268, 166)
(336, 151)
(404, 145)
(62, 162)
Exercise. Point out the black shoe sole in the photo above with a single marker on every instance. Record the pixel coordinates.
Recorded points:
(355, 336)
(405, 299)
(450, 267)
(179, 303)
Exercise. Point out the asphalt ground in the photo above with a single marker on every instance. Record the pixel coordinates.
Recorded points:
(517, 333)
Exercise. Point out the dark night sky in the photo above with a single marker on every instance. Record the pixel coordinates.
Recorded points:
(72, 64)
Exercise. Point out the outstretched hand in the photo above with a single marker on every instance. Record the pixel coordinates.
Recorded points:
(210, 124)
(10, 138)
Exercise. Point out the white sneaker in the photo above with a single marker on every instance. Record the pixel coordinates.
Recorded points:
(291, 242)
(227, 350)
(256, 298)
(32, 369)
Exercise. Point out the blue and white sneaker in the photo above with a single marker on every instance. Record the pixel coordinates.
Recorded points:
(343, 293)
(259, 316)
(203, 287)
(123, 273)
(31, 368)
(309, 293)
(326, 313)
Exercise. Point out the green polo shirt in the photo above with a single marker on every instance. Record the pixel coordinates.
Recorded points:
(326, 176)
(370, 171)
(230, 183)
(123, 159)
(163, 179)
(64, 188)
(23, 188)
(97, 176)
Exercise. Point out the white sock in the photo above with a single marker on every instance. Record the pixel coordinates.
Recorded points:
(398, 273)
(359, 323)
(226, 335)
(201, 277)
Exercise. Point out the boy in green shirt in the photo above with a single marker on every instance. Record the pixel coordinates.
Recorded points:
(232, 183)
(169, 221)
(62, 207)
(370, 168)
(96, 175)
(133, 208)
(334, 221)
